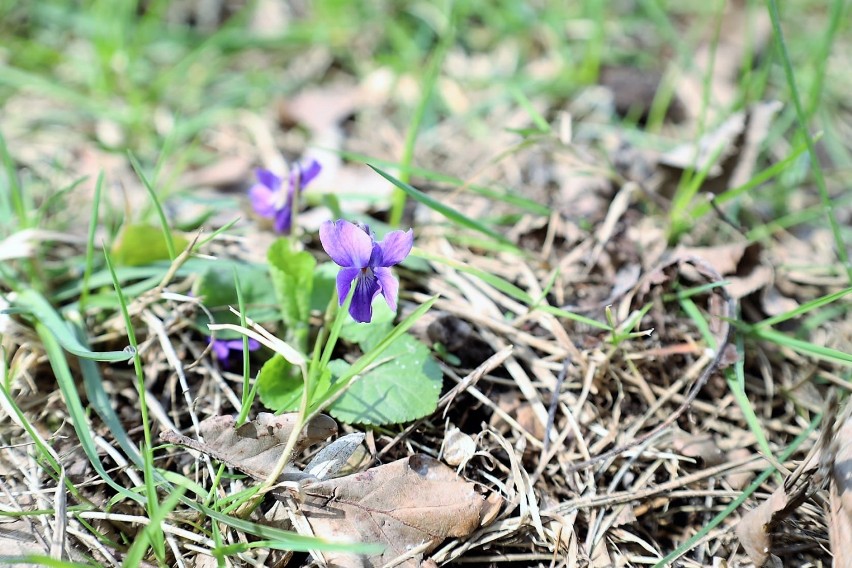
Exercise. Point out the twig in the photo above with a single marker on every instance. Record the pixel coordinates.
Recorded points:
(554, 403)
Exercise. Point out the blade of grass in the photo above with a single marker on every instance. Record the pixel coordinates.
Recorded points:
(291, 541)
(40, 309)
(90, 242)
(802, 118)
(804, 308)
(445, 210)
(825, 353)
(755, 485)
(736, 382)
(43, 452)
(14, 201)
(509, 289)
(148, 444)
(368, 358)
(99, 400)
(164, 223)
(68, 388)
(427, 87)
(42, 560)
(430, 175)
(761, 177)
(152, 532)
(524, 102)
(248, 391)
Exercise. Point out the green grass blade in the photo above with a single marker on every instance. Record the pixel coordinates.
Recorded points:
(68, 388)
(804, 308)
(426, 89)
(90, 241)
(760, 178)
(15, 210)
(755, 485)
(368, 358)
(445, 210)
(291, 541)
(40, 309)
(99, 400)
(736, 382)
(153, 531)
(42, 560)
(164, 223)
(148, 459)
(509, 289)
(802, 118)
(805, 347)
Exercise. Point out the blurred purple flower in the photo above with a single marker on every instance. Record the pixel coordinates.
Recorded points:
(269, 199)
(222, 348)
(364, 262)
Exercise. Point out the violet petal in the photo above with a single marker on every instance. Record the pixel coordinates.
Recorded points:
(307, 173)
(221, 349)
(396, 246)
(346, 244)
(366, 288)
(344, 281)
(389, 285)
(267, 178)
(262, 200)
(283, 220)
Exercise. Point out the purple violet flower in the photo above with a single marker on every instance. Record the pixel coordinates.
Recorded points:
(269, 199)
(222, 348)
(364, 262)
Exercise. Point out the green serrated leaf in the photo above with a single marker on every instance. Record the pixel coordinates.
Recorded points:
(279, 385)
(325, 276)
(404, 384)
(368, 335)
(292, 273)
(138, 245)
(217, 290)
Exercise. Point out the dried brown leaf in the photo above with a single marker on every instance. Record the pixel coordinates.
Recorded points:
(755, 528)
(699, 446)
(411, 503)
(255, 447)
(17, 538)
(840, 496)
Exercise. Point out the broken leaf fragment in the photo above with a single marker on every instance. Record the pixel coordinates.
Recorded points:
(409, 505)
(254, 447)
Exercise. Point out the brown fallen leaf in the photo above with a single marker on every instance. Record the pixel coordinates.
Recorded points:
(409, 505)
(634, 90)
(727, 153)
(840, 496)
(699, 446)
(755, 528)
(255, 447)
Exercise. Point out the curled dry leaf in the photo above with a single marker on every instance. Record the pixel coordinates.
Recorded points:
(698, 446)
(254, 447)
(409, 505)
(755, 528)
(458, 447)
(334, 458)
(840, 496)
